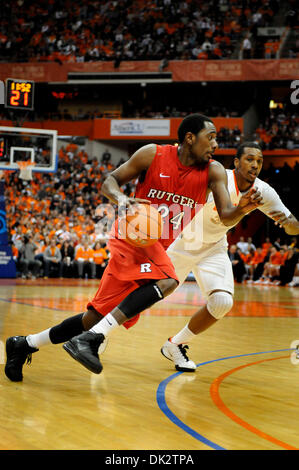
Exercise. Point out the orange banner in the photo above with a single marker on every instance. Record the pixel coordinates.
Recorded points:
(193, 70)
(37, 71)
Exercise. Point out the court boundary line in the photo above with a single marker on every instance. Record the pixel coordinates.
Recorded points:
(161, 399)
(215, 395)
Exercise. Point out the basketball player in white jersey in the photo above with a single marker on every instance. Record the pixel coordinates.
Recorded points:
(202, 249)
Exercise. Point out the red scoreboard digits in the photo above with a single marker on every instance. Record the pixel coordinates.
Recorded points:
(19, 94)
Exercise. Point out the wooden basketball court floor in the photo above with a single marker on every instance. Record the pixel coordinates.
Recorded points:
(243, 395)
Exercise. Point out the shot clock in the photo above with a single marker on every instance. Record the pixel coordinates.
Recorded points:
(19, 94)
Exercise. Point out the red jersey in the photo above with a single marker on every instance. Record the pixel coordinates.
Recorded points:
(176, 190)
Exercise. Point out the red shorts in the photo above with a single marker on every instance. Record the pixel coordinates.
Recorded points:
(128, 267)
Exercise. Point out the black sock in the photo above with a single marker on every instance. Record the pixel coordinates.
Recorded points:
(140, 299)
(66, 330)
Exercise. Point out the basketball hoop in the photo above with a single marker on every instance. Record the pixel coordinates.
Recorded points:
(25, 169)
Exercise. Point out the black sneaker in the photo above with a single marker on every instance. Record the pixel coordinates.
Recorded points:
(84, 349)
(17, 351)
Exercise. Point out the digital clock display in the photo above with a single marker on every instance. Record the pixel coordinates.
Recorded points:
(19, 94)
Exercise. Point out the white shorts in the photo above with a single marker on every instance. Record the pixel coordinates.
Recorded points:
(210, 266)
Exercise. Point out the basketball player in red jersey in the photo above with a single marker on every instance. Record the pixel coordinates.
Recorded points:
(137, 278)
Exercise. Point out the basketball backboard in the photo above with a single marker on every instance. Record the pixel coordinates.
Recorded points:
(19, 144)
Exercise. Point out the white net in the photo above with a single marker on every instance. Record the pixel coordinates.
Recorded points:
(25, 170)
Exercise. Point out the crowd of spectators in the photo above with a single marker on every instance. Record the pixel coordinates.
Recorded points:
(93, 30)
(280, 129)
(58, 223)
(131, 110)
(274, 263)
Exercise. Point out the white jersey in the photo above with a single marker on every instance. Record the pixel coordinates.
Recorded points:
(206, 227)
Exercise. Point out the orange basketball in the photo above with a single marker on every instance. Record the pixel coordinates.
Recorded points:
(142, 226)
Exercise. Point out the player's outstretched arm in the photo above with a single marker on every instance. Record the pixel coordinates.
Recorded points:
(289, 224)
(128, 171)
(230, 215)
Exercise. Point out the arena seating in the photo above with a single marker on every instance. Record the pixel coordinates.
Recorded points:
(82, 31)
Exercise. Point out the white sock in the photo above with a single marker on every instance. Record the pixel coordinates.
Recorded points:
(183, 336)
(105, 326)
(39, 339)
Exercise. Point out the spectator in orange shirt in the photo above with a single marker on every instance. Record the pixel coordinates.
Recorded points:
(282, 272)
(247, 258)
(258, 257)
(256, 265)
(276, 259)
(84, 260)
(271, 269)
(100, 257)
(266, 246)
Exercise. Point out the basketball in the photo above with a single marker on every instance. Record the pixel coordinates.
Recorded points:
(142, 226)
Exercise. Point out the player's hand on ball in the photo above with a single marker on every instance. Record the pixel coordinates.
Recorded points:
(126, 204)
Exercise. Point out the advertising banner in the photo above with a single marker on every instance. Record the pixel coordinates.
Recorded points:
(140, 127)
